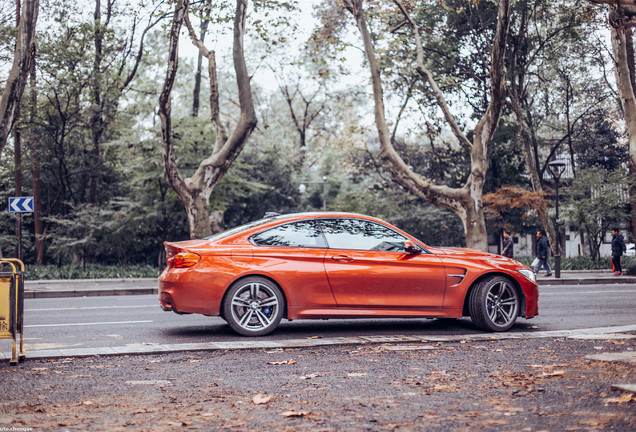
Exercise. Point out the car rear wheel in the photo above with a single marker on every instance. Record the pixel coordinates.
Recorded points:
(253, 306)
(494, 304)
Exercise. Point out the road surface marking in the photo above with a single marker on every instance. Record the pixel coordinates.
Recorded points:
(88, 324)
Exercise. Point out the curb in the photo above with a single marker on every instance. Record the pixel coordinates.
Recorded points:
(89, 293)
(588, 281)
(304, 343)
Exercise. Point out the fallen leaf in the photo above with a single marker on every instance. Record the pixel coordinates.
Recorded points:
(88, 403)
(624, 398)
(260, 399)
(553, 374)
(284, 362)
(310, 376)
(294, 413)
(232, 425)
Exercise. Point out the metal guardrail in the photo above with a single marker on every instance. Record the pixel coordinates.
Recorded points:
(12, 305)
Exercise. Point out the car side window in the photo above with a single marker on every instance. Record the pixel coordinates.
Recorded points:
(295, 234)
(360, 234)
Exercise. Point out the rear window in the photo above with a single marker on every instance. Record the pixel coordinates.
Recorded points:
(238, 229)
(304, 234)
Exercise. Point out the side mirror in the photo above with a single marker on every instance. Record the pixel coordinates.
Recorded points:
(411, 248)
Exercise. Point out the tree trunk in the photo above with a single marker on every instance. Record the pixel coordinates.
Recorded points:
(97, 126)
(194, 192)
(531, 163)
(466, 202)
(35, 170)
(628, 102)
(14, 86)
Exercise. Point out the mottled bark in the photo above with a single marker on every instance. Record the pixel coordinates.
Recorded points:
(622, 70)
(23, 56)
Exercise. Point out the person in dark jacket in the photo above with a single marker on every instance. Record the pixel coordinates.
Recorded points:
(542, 254)
(618, 248)
(508, 245)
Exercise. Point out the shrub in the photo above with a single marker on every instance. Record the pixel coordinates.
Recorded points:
(92, 271)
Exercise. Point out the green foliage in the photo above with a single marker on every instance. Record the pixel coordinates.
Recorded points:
(568, 104)
(596, 203)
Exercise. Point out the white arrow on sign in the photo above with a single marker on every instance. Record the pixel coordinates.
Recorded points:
(21, 205)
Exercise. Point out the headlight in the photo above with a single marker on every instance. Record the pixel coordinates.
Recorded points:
(529, 274)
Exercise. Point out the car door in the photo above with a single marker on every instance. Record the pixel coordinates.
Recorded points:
(368, 267)
(293, 254)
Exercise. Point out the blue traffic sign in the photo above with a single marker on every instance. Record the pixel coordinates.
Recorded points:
(21, 205)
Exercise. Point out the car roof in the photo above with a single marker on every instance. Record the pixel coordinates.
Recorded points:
(272, 220)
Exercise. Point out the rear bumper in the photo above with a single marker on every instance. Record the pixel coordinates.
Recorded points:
(189, 291)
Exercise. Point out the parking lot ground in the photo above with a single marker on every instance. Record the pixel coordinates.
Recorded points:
(555, 383)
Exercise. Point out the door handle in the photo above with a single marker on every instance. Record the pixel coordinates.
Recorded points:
(342, 258)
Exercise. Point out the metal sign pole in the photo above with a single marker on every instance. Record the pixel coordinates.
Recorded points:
(20, 236)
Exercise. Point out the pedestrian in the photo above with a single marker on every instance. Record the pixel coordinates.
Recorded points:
(542, 254)
(618, 248)
(508, 245)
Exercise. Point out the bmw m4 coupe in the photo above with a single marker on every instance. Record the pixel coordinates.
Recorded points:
(339, 265)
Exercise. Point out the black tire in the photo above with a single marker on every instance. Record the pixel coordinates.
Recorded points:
(253, 306)
(494, 304)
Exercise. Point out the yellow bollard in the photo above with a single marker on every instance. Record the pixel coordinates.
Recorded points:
(12, 310)
(19, 286)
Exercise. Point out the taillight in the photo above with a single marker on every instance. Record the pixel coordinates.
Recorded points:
(183, 259)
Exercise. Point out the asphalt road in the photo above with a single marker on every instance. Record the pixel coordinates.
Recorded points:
(91, 322)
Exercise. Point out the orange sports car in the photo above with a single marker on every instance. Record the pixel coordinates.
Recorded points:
(339, 265)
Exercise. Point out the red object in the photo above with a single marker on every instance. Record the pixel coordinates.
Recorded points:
(339, 265)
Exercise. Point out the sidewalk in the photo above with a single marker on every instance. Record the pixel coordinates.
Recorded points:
(142, 286)
(584, 277)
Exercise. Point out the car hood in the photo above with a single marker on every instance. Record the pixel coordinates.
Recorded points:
(478, 255)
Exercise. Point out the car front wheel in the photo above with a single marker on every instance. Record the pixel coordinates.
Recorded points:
(494, 304)
(253, 306)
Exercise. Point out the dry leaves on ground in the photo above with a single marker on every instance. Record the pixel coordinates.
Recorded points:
(260, 398)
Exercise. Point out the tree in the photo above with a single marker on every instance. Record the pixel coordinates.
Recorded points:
(24, 53)
(553, 100)
(108, 83)
(194, 192)
(622, 18)
(467, 201)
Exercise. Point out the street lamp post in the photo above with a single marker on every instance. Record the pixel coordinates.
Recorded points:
(302, 188)
(556, 169)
